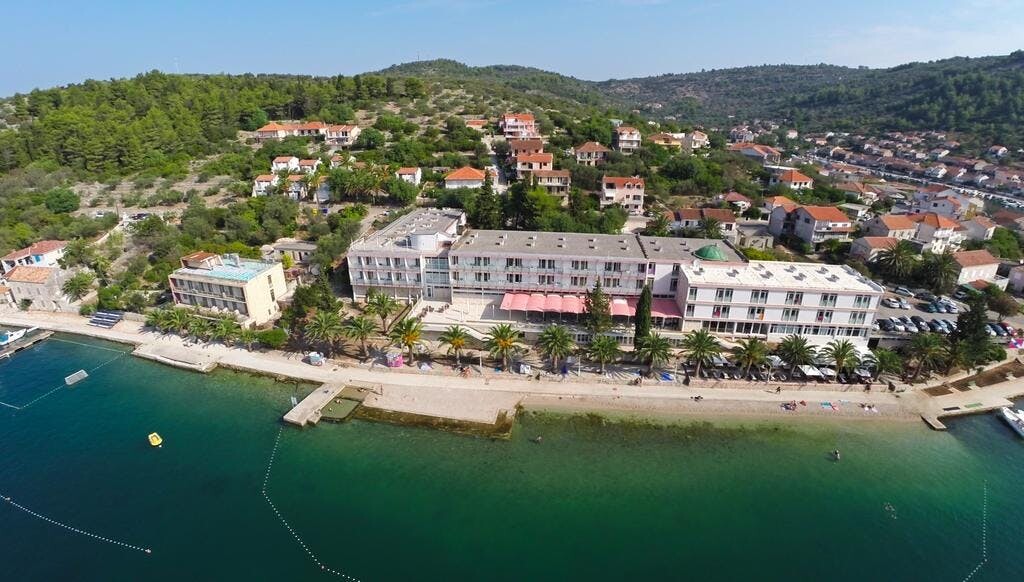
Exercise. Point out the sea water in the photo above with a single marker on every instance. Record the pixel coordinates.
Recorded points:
(596, 499)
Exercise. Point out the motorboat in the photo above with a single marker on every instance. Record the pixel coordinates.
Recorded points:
(155, 440)
(9, 337)
(1013, 418)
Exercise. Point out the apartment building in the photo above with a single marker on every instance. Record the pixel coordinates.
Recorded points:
(937, 233)
(526, 164)
(284, 164)
(626, 139)
(626, 192)
(556, 182)
(812, 224)
(591, 153)
(45, 253)
(522, 147)
(246, 288)
(978, 266)
(341, 135)
(275, 130)
(518, 125)
(409, 257)
(774, 299)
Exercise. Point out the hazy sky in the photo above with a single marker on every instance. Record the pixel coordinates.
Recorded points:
(47, 43)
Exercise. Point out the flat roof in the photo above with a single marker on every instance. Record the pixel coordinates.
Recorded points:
(246, 270)
(421, 221)
(779, 274)
(613, 246)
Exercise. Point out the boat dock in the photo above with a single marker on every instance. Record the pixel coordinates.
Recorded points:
(971, 401)
(309, 410)
(25, 343)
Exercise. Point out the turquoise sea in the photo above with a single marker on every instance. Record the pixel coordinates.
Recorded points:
(740, 500)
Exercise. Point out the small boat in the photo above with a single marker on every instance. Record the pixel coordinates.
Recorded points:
(155, 439)
(9, 337)
(1014, 419)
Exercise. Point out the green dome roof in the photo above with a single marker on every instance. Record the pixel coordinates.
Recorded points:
(711, 253)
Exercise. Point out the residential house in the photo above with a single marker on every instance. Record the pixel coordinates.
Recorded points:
(275, 130)
(264, 184)
(39, 285)
(342, 135)
(45, 253)
(867, 248)
(936, 233)
(937, 171)
(518, 125)
(521, 147)
(246, 288)
(738, 201)
(477, 124)
(792, 179)
(309, 166)
(741, 135)
(856, 212)
(997, 151)
(527, 163)
(864, 192)
(591, 154)
(811, 224)
(692, 218)
(411, 175)
(897, 226)
(978, 266)
(666, 140)
(772, 202)
(979, 228)
(626, 139)
(464, 177)
(946, 202)
(762, 153)
(627, 192)
(556, 182)
(285, 164)
(696, 140)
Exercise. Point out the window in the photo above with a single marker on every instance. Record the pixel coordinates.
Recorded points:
(755, 313)
(723, 294)
(639, 285)
(824, 316)
(858, 317)
(759, 296)
(794, 298)
(513, 262)
(514, 278)
(673, 284)
(790, 314)
(612, 282)
(578, 281)
(580, 265)
(546, 279)
(689, 311)
(692, 293)
(862, 301)
(641, 268)
(481, 261)
(454, 260)
(827, 300)
(613, 267)
(720, 311)
(482, 277)
(546, 263)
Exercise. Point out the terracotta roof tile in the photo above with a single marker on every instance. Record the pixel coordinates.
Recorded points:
(975, 258)
(879, 242)
(29, 274)
(40, 248)
(621, 181)
(826, 213)
(897, 222)
(465, 173)
(591, 146)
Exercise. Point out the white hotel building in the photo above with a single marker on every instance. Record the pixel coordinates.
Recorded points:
(533, 278)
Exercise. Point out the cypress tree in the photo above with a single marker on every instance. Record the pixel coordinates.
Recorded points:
(642, 325)
(599, 310)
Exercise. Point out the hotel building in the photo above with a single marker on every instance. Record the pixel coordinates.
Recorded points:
(247, 288)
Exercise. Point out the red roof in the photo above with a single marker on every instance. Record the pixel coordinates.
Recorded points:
(778, 200)
(465, 173)
(308, 162)
(29, 274)
(625, 129)
(622, 182)
(519, 116)
(476, 122)
(792, 176)
(592, 146)
(198, 256)
(737, 197)
(535, 158)
(408, 171)
(879, 242)
(826, 213)
(934, 220)
(897, 222)
(975, 258)
(526, 144)
(551, 173)
(265, 178)
(40, 248)
(339, 128)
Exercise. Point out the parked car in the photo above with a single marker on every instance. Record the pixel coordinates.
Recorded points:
(904, 304)
(891, 302)
(931, 308)
(1006, 327)
(937, 327)
(910, 326)
(897, 325)
(922, 325)
(950, 325)
(961, 295)
(885, 324)
(925, 296)
(999, 331)
(903, 291)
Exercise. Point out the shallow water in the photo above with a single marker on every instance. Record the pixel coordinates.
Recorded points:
(595, 500)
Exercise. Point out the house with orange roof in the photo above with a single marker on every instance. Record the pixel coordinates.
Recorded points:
(556, 182)
(477, 124)
(518, 125)
(978, 266)
(936, 233)
(762, 153)
(626, 139)
(864, 192)
(770, 203)
(792, 179)
(264, 184)
(520, 147)
(45, 253)
(275, 130)
(591, 153)
(736, 200)
(867, 248)
(696, 140)
(411, 175)
(527, 163)
(464, 177)
(811, 224)
(309, 166)
(947, 202)
(40, 286)
(342, 135)
(284, 164)
(897, 226)
(627, 192)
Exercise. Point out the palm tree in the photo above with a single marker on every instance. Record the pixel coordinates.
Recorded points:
(701, 347)
(556, 343)
(898, 260)
(957, 356)
(198, 327)
(179, 320)
(842, 354)
(927, 350)
(407, 333)
(248, 338)
(383, 306)
(796, 351)
(709, 227)
(503, 343)
(751, 352)
(653, 350)
(324, 327)
(159, 319)
(885, 361)
(658, 226)
(360, 328)
(457, 339)
(225, 330)
(943, 271)
(78, 286)
(603, 349)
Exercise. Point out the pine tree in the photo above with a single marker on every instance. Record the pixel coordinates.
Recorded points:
(599, 310)
(486, 214)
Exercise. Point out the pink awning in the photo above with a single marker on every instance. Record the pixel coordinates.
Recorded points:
(620, 307)
(520, 301)
(553, 304)
(665, 308)
(572, 304)
(536, 302)
(506, 301)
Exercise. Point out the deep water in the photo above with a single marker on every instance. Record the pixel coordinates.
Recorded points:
(596, 500)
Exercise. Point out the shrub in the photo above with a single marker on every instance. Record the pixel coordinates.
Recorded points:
(273, 338)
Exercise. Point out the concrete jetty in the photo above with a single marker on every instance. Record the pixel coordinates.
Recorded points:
(973, 401)
(26, 342)
(308, 411)
(178, 356)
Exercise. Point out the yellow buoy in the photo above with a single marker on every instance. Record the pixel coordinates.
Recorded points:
(155, 440)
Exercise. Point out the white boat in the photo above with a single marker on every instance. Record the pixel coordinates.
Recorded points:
(1014, 419)
(9, 337)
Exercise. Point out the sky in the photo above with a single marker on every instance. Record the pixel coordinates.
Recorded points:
(55, 42)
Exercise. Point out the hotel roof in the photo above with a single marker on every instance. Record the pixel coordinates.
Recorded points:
(781, 275)
(442, 221)
(599, 246)
(245, 270)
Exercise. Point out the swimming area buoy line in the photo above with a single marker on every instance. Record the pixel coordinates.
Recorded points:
(64, 384)
(984, 532)
(8, 500)
(266, 496)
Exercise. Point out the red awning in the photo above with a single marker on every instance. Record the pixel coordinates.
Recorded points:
(665, 308)
(506, 301)
(519, 301)
(620, 307)
(572, 304)
(553, 304)
(536, 302)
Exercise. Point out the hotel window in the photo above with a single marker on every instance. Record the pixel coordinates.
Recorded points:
(689, 311)
(612, 282)
(759, 296)
(755, 313)
(398, 262)
(858, 317)
(454, 260)
(580, 265)
(723, 294)
(641, 268)
(862, 301)
(827, 300)
(482, 277)
(387, 261)
(673, 284)
(720, 311)
(794, 298)
(481, 261)
(546, 279)
(675, 269)
(639, 285)
(513, 262)
(546, 263)
(790, 314)
(692, 293)
(578, 281)
(616, 267)
(514, 277)
(823, 316)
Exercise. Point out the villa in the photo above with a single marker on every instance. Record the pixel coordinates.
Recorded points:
(626, 192)
(245, 288)
(45, 253)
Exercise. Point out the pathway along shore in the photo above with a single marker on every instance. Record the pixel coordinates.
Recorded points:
(485, 399)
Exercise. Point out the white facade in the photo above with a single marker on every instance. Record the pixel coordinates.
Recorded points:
(626, 192)
(626, 139)
(341, 135)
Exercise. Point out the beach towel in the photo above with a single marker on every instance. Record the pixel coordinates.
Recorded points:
(826, 405)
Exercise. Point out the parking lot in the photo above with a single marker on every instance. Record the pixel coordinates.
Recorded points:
(918, 308)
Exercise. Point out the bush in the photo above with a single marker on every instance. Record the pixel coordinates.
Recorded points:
(87, 309)
(273, 338)
(62, 201)
(24, 304)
